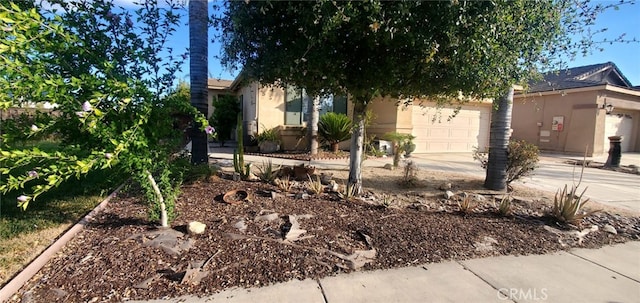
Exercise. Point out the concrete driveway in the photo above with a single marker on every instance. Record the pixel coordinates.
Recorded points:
(604, 186)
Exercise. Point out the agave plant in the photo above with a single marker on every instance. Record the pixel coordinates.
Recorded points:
(334, 128)
(567, 206)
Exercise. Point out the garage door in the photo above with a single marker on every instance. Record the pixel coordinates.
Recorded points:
(435, 131)
(618, 125)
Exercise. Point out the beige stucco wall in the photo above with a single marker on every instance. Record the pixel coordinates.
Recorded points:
(533, 118)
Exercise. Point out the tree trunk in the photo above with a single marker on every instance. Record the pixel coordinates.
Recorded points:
(496, 178)
(164, 218)
(198, 64)
(357, 140)
(313, 117)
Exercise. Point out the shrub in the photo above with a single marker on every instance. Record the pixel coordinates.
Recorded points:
(334, 128)
(270, 134)
(285, 184)
(521, 161)
(410, 176)
(402, 144)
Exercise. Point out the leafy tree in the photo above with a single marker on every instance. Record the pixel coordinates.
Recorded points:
(403, 49)
(198, 65)
(224, 115)
(106, 75)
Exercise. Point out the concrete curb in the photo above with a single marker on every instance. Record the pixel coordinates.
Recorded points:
(28, 272)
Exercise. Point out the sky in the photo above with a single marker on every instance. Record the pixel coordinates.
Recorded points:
(626, 56)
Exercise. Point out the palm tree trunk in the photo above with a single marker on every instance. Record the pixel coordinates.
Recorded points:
(496, 178)
(198, 63)
(312, 123)
(357, 142)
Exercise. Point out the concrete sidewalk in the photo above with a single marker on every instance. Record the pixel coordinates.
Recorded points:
(609, 274)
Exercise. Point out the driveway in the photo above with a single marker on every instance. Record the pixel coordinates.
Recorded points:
(604, 186)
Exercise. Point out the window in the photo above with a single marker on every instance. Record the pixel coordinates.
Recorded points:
(331, 103)
(296, 105)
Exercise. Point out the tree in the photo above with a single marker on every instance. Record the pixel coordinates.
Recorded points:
(198, 67)
(435, 49)
(313, 117)
(111, 86)
(496, 176)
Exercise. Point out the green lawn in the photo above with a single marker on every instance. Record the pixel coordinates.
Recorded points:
(64, 204)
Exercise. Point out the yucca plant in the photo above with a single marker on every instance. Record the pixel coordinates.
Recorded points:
(316, 186)
(567, 206)
(266, 172)
(285, 184)
(334, 128)
(466, 205)
(504, 209)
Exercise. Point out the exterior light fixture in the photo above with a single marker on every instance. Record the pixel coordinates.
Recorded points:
(607, 107)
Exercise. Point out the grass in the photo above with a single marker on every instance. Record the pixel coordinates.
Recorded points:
(24, 234)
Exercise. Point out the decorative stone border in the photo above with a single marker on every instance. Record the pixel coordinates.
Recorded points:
(28, 272)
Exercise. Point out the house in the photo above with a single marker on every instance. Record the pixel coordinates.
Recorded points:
(577, 109)
(266, 107)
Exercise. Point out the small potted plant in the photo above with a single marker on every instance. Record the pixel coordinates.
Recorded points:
(268, 140)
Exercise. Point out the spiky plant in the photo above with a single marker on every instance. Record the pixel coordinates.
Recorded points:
(568, 206)
(316, 186)
(334, 128)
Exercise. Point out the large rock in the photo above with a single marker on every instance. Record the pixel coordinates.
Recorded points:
(196, 228)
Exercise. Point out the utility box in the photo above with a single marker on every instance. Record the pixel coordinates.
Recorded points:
(383, 146)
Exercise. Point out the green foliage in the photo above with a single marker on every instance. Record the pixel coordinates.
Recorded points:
(522, 159)
(403, 49)
(226, 109)
(238, 154)
(268, 134)
(64, 204)
(402, 144)
(568, 206)
(104, 71)
(169, 184)
(266, 172)
(334, 128)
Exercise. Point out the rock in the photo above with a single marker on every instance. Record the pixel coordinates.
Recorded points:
(326, 179)
(333, 186)
(268, 218)
(388, 166)
(240, 225)
(302, 196)
(480, 198)
(253, 177)
(610, 229)
(445, 186)
(274, 195)
(486, 245)
(448, 194)
(196, 228)
(236, 176)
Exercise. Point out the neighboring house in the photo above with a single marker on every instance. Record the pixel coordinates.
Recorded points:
(576, 109)
(266, 107)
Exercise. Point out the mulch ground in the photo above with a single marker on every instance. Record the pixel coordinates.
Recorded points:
(275, 237)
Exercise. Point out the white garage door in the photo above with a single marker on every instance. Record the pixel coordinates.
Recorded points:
(435, 131)
(618, 125)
